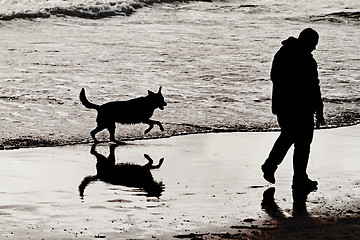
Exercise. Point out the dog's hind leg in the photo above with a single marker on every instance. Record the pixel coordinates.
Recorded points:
(111, 128)
(95, 131)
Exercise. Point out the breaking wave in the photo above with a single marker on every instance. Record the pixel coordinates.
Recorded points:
(339, 17)
(90, 12)
(96, 10)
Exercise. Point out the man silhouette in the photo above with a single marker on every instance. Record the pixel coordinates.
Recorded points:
(296, 97)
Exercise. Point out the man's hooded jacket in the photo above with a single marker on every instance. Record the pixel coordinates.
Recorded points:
(295, 80)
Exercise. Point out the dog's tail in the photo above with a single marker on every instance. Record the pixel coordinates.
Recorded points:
(86, 181)
(86, 102)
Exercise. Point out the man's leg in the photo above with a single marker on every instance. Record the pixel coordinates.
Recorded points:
(280, 148)
(303, 139)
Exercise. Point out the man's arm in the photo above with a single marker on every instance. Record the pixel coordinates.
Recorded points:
(319, 106)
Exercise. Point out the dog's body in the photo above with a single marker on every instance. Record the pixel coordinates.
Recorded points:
(138, 110)
(125, 174)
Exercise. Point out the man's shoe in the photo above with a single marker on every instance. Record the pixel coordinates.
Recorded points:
(269, 173)
(305, 185)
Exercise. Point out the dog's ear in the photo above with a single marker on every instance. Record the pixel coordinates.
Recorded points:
(151, 93)
(159, 92)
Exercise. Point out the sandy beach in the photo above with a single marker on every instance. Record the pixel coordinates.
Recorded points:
(211, 187)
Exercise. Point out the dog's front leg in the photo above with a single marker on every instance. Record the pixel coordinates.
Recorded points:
(159, 164)
(159, 124)
(151, 125)
(149, 159)
(149, 128)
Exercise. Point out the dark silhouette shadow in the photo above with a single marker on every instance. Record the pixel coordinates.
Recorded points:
(133, 111)
(302, 225)
(296, 98)
(269, 205)
(125, 174)
(300, 220)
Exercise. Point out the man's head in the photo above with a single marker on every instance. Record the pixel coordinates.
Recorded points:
(309, 38)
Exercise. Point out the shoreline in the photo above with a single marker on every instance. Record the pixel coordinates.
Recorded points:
(13, 144)
(213, 189)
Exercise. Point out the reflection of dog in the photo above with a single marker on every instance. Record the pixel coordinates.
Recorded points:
(125, 174)
(138, 110)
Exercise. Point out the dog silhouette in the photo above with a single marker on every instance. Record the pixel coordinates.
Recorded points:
(133, 111)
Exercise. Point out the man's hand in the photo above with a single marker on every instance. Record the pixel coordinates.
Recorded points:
(320, 120)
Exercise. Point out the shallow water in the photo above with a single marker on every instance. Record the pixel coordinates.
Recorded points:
(211, 58)
(46, 199)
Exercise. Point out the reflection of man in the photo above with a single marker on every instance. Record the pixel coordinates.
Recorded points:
(269, 205)
(296, 97)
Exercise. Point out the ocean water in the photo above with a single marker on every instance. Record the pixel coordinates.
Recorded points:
(212, 59)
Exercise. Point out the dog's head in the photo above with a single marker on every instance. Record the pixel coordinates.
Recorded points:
(158, 99)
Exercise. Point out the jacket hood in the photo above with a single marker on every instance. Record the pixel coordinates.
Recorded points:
(291, 41)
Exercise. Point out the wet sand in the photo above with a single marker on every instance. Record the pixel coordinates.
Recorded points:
(212, 189)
